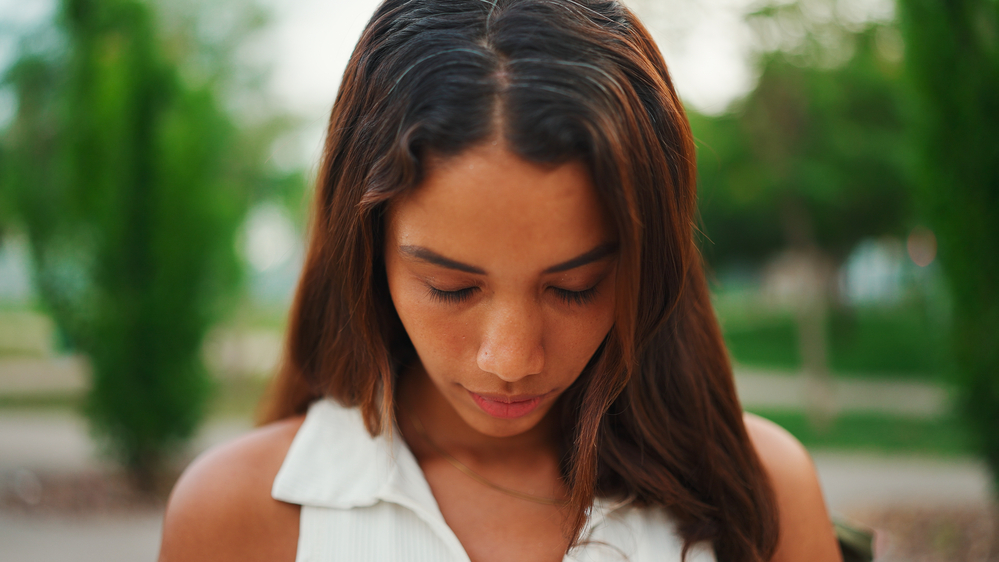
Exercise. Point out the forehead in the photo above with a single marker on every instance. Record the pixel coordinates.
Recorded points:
(489, 207)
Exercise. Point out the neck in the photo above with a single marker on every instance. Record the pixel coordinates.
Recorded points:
(416, 395)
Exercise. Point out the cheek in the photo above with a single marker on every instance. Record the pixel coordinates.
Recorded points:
(570, 345)
(443, 340)
(577, 338)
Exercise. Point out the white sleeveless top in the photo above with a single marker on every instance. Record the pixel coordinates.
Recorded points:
(366, 499)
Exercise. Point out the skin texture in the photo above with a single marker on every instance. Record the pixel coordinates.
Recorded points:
(486, 228)
(221, 508)
(520, 330)
(805, 530)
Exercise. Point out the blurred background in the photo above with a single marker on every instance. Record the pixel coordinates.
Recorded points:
(155, 165)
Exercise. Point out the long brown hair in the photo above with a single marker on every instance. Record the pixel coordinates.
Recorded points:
(654, 416)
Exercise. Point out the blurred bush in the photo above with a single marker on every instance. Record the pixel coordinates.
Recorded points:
(901, 341)
(130, 179)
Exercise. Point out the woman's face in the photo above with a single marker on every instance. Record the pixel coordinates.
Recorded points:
(502, 272)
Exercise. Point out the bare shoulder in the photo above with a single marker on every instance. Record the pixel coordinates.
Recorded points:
(221, 508)
(784, 457)
(806, 532)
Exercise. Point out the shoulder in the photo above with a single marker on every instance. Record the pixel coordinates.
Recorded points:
(221, 507)
(806, 533)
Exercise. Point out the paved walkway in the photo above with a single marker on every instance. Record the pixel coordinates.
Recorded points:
(854, 481)
(132, 538)
(787, 391)
(57, 442)
(20, 375)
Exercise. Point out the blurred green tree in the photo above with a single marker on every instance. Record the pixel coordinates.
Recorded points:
(130, 181)
(952, 53)
(814, 156)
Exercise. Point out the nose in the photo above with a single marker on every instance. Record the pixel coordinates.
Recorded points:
(511, 347)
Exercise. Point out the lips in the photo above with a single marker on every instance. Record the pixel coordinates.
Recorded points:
(507, 407)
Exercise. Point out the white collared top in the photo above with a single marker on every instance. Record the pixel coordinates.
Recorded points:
(366, 499)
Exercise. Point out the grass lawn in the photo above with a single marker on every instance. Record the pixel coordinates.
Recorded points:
(878, 433)
(903, 341)
(41, 402)
(230, 398)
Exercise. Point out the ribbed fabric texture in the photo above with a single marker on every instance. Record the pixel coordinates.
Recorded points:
(366, 499)
(381, 532)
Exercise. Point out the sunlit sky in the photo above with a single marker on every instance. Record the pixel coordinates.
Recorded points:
(706, 43)
(312, 40)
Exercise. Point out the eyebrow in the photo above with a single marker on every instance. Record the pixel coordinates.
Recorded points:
(596, 254)
(430, 256)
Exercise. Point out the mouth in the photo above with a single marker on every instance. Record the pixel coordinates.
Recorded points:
(505, 406)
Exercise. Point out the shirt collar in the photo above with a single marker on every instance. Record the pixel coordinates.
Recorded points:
(334, 462)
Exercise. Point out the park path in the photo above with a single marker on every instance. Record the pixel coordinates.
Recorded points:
(787, 391)
(54, 442)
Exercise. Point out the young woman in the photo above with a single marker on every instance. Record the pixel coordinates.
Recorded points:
(502, 346)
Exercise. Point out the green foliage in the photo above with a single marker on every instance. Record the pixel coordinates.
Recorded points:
(813, 156)
(952, 52)
(770, 341)
(902, 340)
(130, 183)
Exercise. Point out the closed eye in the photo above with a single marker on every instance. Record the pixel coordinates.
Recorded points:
(568, 297)
(578, 298)
(451, 297)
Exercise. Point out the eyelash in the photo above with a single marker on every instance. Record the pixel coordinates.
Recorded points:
(451, 297)
(568, 297)
(578, 298)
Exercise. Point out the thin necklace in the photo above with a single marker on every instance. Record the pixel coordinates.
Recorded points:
(474, 475)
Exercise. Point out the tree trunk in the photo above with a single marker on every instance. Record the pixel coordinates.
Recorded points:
(811, 304)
